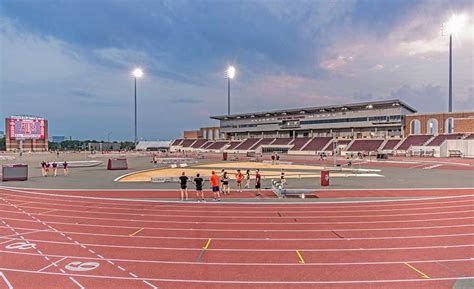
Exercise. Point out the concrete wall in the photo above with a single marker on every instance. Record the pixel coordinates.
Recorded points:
(463, 145)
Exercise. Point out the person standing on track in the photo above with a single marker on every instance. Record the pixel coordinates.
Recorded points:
(184, 186)
(239, 177)
(65, 168)
(221, 176)
(43, 168)
(214, 180)
(225, 184)
(258, 182)
(46, 170)
(55, 169)
(198, 181)
(247, 179)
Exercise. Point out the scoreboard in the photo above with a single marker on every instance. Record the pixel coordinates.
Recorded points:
(26, 127)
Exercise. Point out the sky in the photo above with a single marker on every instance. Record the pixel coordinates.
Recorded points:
(70, 61)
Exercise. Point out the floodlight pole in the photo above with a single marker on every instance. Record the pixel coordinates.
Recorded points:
(136, 135)
(450, 104)
(228, 95)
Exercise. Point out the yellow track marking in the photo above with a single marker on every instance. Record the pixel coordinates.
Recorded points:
(207, 244)
(423, 275)
(299, 256)
(138, 231)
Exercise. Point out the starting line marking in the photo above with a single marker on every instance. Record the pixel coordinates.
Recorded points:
(301, 261)
(77, 283)
(136, 232)
(207, 244)
(423, 275)
(52, 264)
(6, 280)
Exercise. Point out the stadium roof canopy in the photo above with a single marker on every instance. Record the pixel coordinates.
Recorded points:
(321, 109)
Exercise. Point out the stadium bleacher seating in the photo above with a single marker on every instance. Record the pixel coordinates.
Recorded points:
(187, 143)
(233, 145)
(414, 140)
(365, 145)
(317, 144)
(199, 143)
(247, 144)
(390, 144)
(299, 143)
(439, 139)
(283, 141)
(177, 142)
(217, 145)
(263, 141)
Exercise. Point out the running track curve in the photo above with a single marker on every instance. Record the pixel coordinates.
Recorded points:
(58, 241)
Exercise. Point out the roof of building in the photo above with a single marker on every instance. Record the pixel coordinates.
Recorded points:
(143, 145)
(320, 109)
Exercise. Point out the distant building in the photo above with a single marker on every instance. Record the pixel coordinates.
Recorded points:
(153, 145)
(103, 146)
(440, 123)
(209, 133)
(2, 133)
(381, 119)
(58, 138)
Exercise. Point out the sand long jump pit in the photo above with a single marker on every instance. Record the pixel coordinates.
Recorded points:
(268, 171)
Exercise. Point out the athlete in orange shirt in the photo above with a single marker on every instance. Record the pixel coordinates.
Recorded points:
(214, 180)
(239, 177)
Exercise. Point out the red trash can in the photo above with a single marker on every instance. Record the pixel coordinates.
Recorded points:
(224, 156)
(324, 178)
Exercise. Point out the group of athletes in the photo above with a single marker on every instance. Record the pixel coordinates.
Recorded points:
(219, 184)
(46, 167)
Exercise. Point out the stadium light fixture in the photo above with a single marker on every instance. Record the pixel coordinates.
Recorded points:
(137, 73)
(230, 74)
(456, 23)
(453, 26)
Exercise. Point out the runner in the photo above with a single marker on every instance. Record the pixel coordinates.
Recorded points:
(46, 170)
(273, 159)
(65, 169)
(55, 169)
(43, 168)
(239, 177)
(277, 157)
(198, 181)
(225, 184)
(258, 180)
(247, 178)
(214, 180)
(221, 176)
(184, 186)
(155, 160)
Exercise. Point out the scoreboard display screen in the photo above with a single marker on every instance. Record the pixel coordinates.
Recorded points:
(27, 128)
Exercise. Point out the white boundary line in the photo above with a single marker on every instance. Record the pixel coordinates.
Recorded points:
(251, 190)
(180, 204)
(245, 264)
(6, 280)
(275, 250)
(247, 281)
(227, 224)
(30, 206)
(240, 202)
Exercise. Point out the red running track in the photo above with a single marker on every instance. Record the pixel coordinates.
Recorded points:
(59, 239)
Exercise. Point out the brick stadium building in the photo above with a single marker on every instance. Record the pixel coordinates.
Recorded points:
(29, 132)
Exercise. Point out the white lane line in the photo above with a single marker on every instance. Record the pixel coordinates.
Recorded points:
(278, 206)
(121, 268)
(52, 264)
(26, 233)
(253, 230)
(251, 202)
(131, 274)
(9, 285)
(149, 284)
(258, 213)
(432, 167)
(370, 281)
(46, 212)
(259, 264)
(77, 283)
